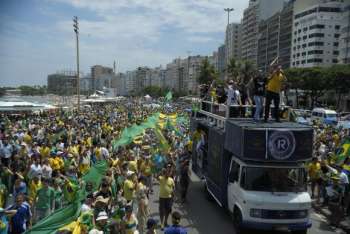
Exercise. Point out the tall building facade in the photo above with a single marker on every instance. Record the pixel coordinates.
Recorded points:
(275, 37)
(233, 41)
(257, 11)
(100, 76)
(344, 40)
(62, 83)
(316, 32)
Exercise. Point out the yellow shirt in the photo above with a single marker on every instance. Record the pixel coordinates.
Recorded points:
(146, 169)
(129, 190)
(44, 151)
(133, 166)
(166, 187)
(33, 189)
(56, 163)
(275, 83)
(27, 138)
(314, 169)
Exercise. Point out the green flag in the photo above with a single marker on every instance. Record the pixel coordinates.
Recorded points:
(168, 96)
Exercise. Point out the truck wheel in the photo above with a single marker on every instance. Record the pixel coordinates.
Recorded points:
(300, 232)
(237, 221)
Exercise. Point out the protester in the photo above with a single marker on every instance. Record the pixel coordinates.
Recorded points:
(176, 228)
(273, 90)
(256, 89)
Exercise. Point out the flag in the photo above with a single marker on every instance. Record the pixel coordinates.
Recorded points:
(168, 96)
(344, 151)
(163, 143)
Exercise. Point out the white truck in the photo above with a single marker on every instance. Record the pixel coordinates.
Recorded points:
(254, 170)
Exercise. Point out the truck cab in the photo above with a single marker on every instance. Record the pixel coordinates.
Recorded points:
(258, 197)
(254, 170)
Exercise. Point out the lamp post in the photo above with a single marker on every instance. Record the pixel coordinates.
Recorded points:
(228, 10)
(76, 30)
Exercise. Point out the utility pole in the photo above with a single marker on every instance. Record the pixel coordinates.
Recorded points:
(228, 10)
(76, 30)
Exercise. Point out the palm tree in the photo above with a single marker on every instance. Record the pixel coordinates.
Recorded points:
(207, 72)
(247, 69)
(233, 68)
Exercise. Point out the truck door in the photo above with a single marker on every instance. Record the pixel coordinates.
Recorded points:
(233, 184)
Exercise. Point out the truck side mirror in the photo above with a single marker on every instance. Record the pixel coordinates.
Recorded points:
(233, 177)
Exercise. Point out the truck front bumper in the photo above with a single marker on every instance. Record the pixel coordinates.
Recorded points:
(276, 226)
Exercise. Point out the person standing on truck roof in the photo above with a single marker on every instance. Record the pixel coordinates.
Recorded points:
(256, 89)
(273, 90)
(233, 94)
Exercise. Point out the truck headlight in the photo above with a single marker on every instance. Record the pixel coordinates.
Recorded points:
(255, 213)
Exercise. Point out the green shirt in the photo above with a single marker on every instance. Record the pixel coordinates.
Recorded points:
(45, 198)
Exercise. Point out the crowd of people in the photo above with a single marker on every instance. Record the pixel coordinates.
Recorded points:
(45, 156)
(329, 171)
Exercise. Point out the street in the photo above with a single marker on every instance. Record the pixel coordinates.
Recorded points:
(206, 217)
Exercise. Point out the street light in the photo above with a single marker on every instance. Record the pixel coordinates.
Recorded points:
(228, 10)
(76, 30)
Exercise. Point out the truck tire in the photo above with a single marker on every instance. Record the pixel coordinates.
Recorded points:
(237, 221)
(300, 232)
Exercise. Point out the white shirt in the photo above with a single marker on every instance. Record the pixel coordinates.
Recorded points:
(35, 170)
(47, 171)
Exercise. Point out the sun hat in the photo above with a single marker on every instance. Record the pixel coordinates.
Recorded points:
(102, 216)
(101, 199)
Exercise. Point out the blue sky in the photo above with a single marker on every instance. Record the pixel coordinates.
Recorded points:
(37, 38)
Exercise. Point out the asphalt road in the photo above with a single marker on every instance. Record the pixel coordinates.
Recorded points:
(205, 217)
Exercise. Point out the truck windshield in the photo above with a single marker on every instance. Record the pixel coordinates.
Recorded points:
(274, 179)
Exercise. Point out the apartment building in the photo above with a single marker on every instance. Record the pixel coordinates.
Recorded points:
(316, 32)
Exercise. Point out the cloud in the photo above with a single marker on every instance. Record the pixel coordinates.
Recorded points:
(199, 39)
(132, 32)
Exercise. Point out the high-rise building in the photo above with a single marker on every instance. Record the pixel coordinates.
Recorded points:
(62, 83)
(100, 72)
(257, 11)
(275, 37)
(233, 41)
(344, 40)
(130, 82)
(316, 32)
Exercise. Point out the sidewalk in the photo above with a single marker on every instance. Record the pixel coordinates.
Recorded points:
(345, 224)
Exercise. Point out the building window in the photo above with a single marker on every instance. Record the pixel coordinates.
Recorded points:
(335, 52)
(305, 29)
(316, 35)
(304, 37)
(304, 45)
(299, 38)
(336, 43)
(293, 63)
(303, 61)
(315, 60)
(303, 54)
(299, 31)
(298, 55)
(315, 52)
(298, 47)
(316, 43)
(337, 26)
(337, 35)
(319, 26)
(298, 62)
(335, 60)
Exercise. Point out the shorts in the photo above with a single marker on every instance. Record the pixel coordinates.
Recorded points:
(165, 205)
